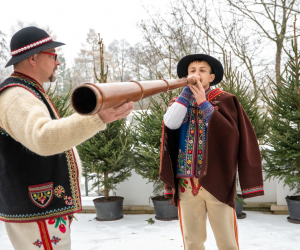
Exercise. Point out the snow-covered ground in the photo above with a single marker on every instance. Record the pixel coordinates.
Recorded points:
(257, 232)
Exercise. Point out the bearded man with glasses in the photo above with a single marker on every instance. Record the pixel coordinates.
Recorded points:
(39, 165)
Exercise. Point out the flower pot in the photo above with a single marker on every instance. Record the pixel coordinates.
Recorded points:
(108, 210)
(239, 208)
(163, 209)
(293, 203)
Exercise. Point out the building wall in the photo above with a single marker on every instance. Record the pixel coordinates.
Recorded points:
(136, 191)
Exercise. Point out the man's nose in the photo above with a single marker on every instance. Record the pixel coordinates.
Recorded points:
(57, 62)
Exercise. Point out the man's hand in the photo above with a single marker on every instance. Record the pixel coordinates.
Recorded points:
(113, 114)
(197, 89)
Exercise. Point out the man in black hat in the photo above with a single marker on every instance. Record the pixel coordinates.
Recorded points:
(39, 166)
(206, 136)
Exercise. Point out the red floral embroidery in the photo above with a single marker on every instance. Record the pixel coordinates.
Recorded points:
(200, 151)
(192, 131)
(62, 228)
(182, 184)
(59, 222)
(51, 221)
(190, 151)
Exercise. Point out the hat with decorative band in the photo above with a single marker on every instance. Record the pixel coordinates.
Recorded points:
(29, 41)
(215, 64)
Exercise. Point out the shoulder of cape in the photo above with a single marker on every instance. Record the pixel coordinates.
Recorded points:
(218, 93)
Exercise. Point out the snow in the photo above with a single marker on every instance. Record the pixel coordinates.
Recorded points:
(258, 231)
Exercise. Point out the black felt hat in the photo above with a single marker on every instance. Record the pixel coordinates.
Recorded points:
(215, 64)
(29, 41)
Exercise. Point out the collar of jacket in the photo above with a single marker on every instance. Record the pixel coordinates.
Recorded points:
(29, 79)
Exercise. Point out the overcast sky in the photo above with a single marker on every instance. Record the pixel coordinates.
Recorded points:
(71, 20)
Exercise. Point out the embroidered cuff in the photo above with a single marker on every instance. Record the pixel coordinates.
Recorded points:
(185, 96)
(252, 192)
(207, 110)
(168, 193)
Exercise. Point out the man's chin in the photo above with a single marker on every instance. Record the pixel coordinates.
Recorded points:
(52, 78)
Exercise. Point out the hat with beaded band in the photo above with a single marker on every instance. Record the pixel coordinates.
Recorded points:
(29, 41)
(215, 64)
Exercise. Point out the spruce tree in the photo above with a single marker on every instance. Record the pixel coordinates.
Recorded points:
(61, 101)
(283, 154)
(108, 153)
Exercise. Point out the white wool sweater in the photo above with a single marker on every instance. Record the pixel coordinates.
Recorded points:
(26, 119)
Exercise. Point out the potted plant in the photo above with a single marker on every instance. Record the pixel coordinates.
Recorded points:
(283, 155)
(107, 154)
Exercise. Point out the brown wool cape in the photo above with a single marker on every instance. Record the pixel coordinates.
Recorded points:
(231, 145)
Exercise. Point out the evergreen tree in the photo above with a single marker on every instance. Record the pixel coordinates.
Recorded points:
(61, 101)
(283, 155)
(108, 153)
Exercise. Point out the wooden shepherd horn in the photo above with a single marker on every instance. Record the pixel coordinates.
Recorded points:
(90, 98)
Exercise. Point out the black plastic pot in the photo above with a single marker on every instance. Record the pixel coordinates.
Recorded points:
(294, 209)
(239, 208)
(108, 210)
(164, 210)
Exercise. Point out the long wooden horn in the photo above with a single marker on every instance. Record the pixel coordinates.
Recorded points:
(90, 98)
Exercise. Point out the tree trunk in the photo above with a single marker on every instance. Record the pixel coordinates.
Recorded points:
(279, 45)
(86, 186)
(105, 188)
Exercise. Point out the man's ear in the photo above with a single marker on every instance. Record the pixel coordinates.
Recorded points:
(212, 77)
(32, 60)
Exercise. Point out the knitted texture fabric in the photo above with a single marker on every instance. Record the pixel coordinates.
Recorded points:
(207, 111)
(185, 96)
(33, 127)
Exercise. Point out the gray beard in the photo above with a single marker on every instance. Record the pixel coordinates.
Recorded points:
(52, 78)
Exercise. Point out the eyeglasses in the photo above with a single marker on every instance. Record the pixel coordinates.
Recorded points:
(52, 54)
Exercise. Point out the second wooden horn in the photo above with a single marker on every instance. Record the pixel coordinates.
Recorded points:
(89, 98)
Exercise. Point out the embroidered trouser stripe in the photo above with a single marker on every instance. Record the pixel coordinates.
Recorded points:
(180, 220)
(45, 235)
(235, 229)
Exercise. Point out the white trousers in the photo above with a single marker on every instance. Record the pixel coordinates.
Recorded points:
(53, 234)
(194, 205)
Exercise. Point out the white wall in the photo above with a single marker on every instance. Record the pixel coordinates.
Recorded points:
(282, 192)
(135, 190)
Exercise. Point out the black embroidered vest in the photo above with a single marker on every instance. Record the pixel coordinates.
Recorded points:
(34, 187)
